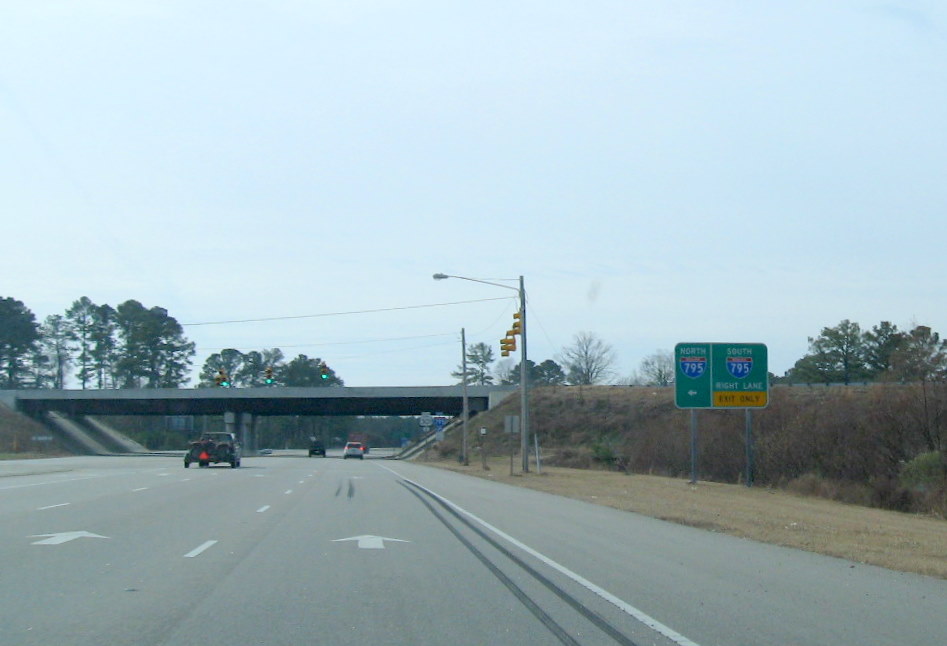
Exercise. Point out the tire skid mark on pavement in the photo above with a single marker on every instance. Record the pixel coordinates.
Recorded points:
(558, 631)
(457, 511)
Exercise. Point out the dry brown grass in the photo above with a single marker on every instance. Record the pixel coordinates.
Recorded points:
(16, 433)
(905, 542)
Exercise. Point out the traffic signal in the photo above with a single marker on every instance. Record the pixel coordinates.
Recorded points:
(222, 379)
(507, 344)
(324, 369)
(517, 323)
(268, 375)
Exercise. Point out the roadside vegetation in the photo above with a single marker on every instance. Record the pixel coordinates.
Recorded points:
(22, 438)
(876, 445)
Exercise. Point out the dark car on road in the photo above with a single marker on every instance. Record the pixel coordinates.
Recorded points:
(317, 448)
(213, 448)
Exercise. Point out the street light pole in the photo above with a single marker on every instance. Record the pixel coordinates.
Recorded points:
(524, 378)
(524, 386)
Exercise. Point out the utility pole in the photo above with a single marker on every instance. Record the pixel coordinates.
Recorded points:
(464, 458)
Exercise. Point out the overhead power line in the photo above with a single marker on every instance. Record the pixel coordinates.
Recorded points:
(374, 311)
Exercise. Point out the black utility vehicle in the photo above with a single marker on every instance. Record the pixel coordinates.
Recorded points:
(317, 448)
(214, 448)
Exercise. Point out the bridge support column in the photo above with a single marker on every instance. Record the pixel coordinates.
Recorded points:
(230, 422)
(241, 425)
(246, 422)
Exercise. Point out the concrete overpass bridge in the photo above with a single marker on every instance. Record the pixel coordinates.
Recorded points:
(241, 407)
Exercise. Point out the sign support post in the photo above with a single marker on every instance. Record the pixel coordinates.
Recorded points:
(693, 446)
(749, 447)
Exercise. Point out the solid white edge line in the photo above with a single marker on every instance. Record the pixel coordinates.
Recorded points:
(262, 509)
(624, 606)
(197, 550)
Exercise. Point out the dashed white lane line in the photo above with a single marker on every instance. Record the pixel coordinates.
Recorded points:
(199, 549)
(62, 504)
(48, 482)
(288, 491)
(139, 489)
(262, 509)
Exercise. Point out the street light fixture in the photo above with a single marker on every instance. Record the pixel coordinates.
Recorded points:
(524, 384)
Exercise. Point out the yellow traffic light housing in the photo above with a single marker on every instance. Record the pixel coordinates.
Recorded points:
(268, 375)
(517, 323)
(507, 345)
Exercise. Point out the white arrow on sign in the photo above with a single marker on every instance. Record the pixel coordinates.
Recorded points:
(367, 542)
(691, 392)
(63, 537)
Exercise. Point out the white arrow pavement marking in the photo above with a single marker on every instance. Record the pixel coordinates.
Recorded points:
(367, 542)
(63, 537)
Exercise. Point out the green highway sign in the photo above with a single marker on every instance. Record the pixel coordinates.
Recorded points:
(721, 375)
(692, 375)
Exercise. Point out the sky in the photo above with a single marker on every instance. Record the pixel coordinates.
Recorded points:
(656, 171)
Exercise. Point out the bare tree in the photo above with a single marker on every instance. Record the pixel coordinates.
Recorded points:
(658, 368)
(589, 360)
(505, 373)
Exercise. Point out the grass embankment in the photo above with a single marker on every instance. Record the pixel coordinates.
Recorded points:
(17, 438)
(894, 540)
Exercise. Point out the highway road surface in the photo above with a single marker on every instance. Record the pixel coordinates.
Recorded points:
(290, 551)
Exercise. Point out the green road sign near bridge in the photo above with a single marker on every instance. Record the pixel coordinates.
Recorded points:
(721, 375)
